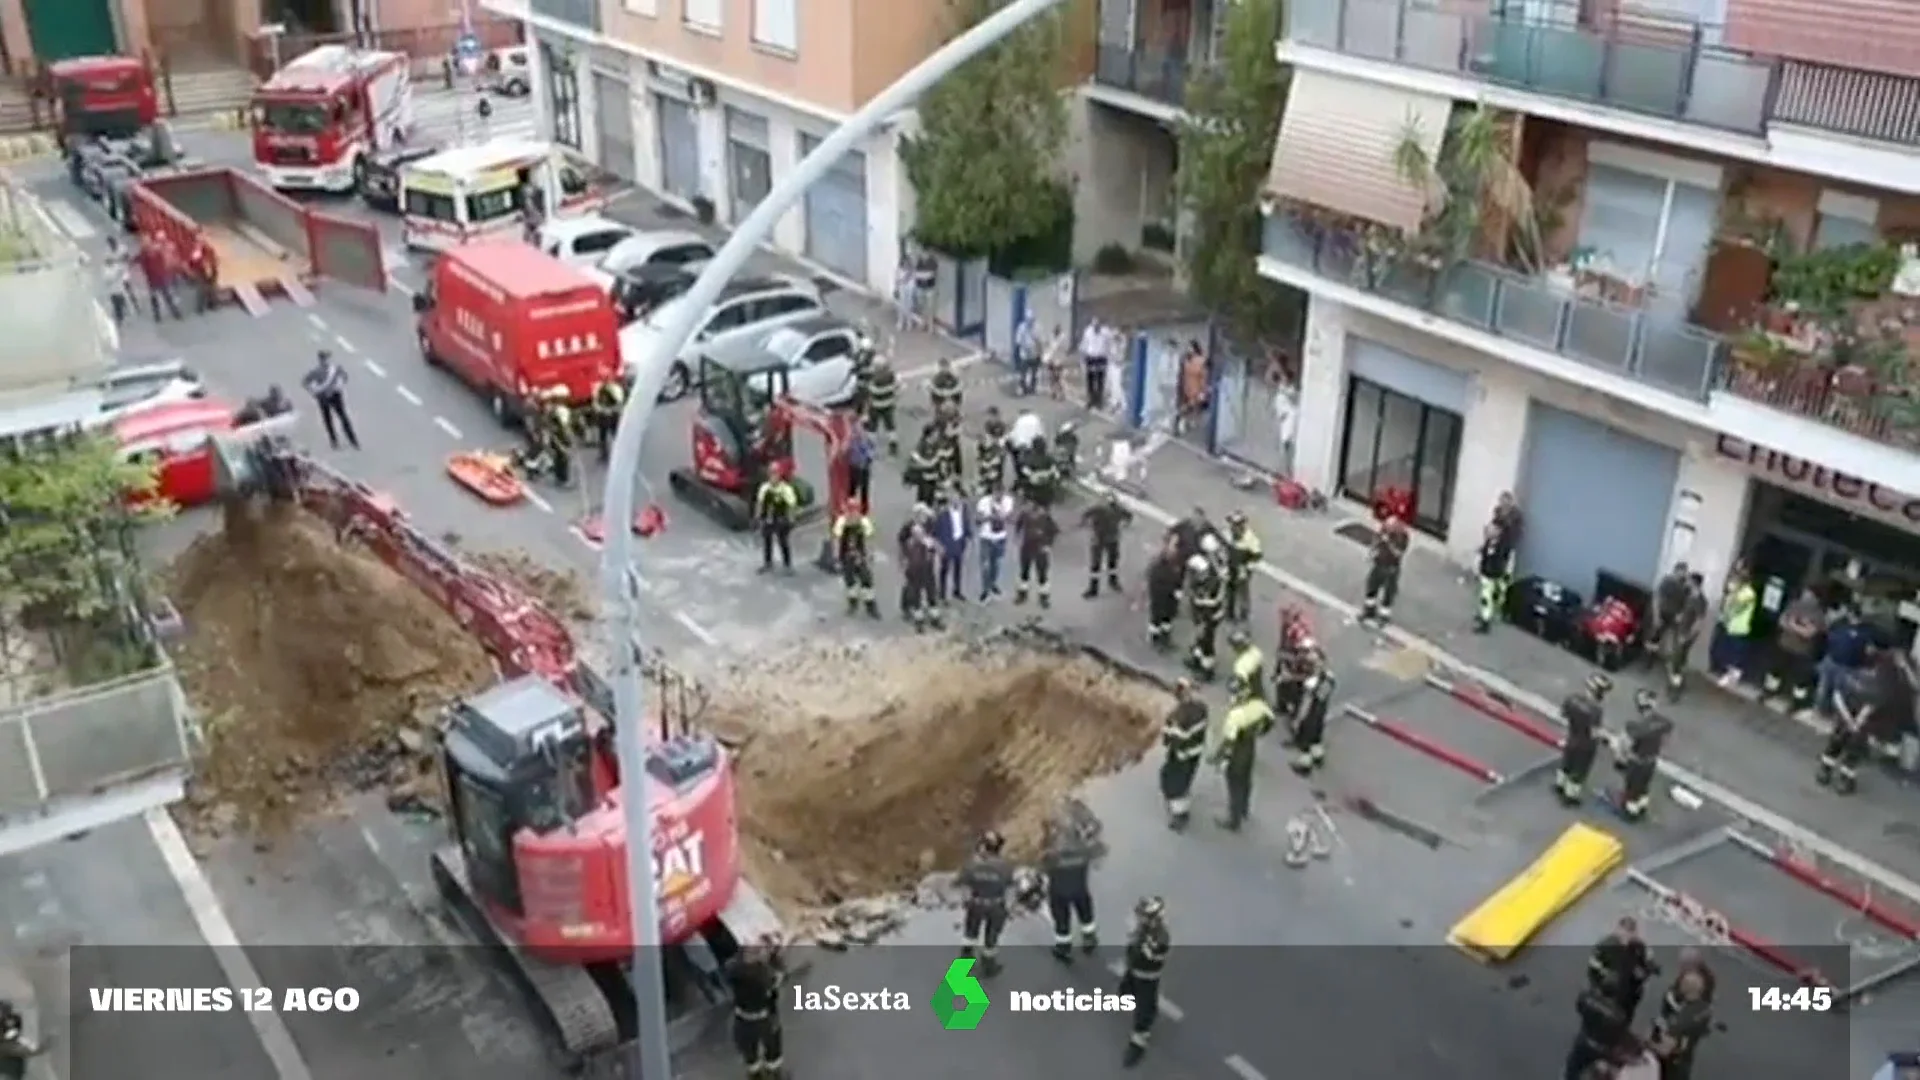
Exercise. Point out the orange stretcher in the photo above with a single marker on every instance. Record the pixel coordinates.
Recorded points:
(487, 475)
(649, 520)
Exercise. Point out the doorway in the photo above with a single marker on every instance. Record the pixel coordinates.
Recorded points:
(313, 16)
(1795, 542)
(1391, 440)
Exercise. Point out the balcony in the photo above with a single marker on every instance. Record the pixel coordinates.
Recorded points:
(1662, 353)
(1151, 47)
(1685, 80)
(1150, 73)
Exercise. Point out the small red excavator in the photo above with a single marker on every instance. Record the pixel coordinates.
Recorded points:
(745, 433)
(537, 866)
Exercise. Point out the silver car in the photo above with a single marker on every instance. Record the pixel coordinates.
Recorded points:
(747, 310)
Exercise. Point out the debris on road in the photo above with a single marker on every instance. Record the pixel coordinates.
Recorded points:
(871, 767)
(561, 591)
(314, 668)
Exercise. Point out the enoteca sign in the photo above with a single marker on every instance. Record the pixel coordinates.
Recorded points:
(1862, 497)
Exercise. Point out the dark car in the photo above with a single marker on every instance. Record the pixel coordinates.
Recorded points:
(639, 289)
(380, 180)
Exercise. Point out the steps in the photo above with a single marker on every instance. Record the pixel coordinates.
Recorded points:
(215, 90)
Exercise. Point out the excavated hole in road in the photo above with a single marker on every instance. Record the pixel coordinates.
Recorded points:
(860, 774)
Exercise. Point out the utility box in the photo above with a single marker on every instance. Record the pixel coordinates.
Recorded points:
(53, 331)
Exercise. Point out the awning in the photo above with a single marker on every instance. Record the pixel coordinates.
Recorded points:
(1338, 143)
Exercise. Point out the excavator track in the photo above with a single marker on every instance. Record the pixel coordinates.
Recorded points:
(571, 999)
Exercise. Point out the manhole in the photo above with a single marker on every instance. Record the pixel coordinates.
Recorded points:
(1358, 532)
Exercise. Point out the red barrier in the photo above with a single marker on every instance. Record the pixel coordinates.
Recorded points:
(1445, 755)
(1498, 709)
(1899, 922)
(1767, 951)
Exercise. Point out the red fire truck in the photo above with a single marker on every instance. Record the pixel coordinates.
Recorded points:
(103, 95)
(316, 120)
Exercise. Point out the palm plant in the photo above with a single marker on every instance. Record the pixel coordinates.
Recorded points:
(1473, 188)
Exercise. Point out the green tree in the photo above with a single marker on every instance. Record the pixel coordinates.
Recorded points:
(982, 165)
(1226, 149)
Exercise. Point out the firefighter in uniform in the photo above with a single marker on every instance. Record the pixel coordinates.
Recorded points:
(947, 462)
(1183, 735)
(853, 552)
(1640, 761)
(1680, 608)
(1582, 713)
(920, 572)
(1855, 722)
(557, 417)
(1290, 663)
(1165, 575)
(990, 453)
(1038, 531)
(773, 507)
(923, 468)
(987, 880)
(609, 397)
(1317, 685)
(882, 395)
(1603, 1031)
(1239, 734)
(1036, 475)
(944, 389)
(1068, 861)
(1244, 552)
(1496, 574)
(1146, 961)
(754, 975)
(1206, 591)
(1105, 520)
(1389, 551)
(1247, 676)
(1685, 1018)
(1620, 966)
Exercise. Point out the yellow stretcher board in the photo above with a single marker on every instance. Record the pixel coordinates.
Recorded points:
(1566, 871)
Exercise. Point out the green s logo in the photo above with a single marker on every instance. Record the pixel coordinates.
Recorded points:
(960, 985)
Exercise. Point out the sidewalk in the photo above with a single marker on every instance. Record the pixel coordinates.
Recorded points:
(1756, 753)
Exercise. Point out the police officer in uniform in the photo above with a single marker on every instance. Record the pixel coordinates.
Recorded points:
(1620, 965)
(773, 507)
(1248, 673)
(1640, 763)
(1389, 551)
(944, 389)
(754, 974)
(1583, 714)
(1068, 861)
(990, 453)
(1239, 734)
(1244, 552)
(1038, 531)
(1317, 685)
(1680, 610)
(1146, 961)
(1165, 575)
(987, 880)
(1105, 520)
(1496, 573)
(1206, 591)
(883, 400)
(609, 397)
(1183, 736)
(853, 552)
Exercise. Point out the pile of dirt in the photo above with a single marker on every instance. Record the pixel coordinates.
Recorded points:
(868, 773)
(314, 669)
(563, 592)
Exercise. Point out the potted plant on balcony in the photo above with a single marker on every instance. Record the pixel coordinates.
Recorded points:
(1471, 184)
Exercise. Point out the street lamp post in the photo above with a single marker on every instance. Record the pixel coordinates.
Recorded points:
(620, 582)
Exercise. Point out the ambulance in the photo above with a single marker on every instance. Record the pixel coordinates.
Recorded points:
(474, 193)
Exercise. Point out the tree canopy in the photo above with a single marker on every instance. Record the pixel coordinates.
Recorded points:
(982, 164)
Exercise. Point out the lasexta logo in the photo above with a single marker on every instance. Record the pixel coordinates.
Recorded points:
(960, 1001)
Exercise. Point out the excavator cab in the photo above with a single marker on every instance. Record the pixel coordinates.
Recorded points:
(743, 433)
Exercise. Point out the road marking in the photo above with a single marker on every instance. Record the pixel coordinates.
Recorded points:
(410, 397)
(927, 371)
(536, 499)
(1244, 1068)
(1167, 1007)
(1733, 801)
(218, 933)
(446, 425)
(68, 219)
(316, 320)
(699, 632)
(375, 368)
(345, 344)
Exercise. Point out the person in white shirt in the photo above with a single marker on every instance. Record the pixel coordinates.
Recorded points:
(993, 517)
(1286, 417)
(1027, 429)
(1094, 359)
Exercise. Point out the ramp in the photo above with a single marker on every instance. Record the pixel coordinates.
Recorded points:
(297, 292)
(247, 295)
(1578, 861)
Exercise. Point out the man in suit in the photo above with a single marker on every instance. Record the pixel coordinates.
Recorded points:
(954, 531)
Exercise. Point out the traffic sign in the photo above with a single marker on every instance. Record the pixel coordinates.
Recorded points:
(467, 47)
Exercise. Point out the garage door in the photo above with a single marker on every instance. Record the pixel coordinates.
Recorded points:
(1596, 498)
(63, 28)
(837, 214)
(679, 147)
(613, 106)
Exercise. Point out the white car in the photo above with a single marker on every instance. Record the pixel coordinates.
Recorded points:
(747, 310)
(582, 241)
(818, 353)
(509, 71)
(133, 386)
(666, 247)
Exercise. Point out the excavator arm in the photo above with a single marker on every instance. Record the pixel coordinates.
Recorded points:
(835, 428)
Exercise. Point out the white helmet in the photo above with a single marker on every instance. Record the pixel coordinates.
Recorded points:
(1210, 544)
(1197, 564)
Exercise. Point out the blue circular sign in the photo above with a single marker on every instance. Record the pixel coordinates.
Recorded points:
(468, 45)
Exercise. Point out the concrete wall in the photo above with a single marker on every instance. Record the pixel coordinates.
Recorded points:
(1121, 169)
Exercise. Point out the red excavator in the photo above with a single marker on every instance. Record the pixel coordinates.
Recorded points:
(744, 433)
(537, 866)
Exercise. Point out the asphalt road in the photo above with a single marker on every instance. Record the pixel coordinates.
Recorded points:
(1333, 969)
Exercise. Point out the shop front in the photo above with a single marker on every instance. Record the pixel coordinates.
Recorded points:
(1402, 432)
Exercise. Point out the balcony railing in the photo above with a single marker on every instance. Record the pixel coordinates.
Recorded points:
(1688, 81)
(1815, 393)
(1660, 352)
(86, 742)
(1152, 73)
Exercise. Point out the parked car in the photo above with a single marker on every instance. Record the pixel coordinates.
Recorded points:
(138, 385)
(582, 241)
(508, 71)
(380, 178)
(663, 247)
(747, 310)
(637, 291)
(817, 351)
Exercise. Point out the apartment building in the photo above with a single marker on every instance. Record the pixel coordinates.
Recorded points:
(709, 103)
(1712, 349)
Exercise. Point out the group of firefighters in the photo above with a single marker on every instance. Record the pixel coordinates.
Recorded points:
(553, 427)
(1617, 973)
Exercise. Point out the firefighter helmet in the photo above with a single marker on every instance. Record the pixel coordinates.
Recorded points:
(1150, 909)
(1598, 685)
(1210, 544)
(1645, 700)
(992, 843)
(1239, 639)
(1236, 519)
(1197, 564)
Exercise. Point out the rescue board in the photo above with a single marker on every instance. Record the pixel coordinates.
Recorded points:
(1570, 868)
(489, 476)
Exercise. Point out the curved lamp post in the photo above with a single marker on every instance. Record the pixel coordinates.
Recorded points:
(620, 583)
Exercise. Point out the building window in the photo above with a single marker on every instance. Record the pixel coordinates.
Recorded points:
(703, 15)
(649, 8)
(775, 25)
(1394, 441)
(563, 90)
(1845, 220)
(1647, 232)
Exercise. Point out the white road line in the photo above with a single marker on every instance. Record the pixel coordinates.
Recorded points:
(1244, 1068)
(446, 425)
(700, 633)
(345, 344)
(316, 320)
(1733, 801)
(218, 933)
(536, 499)
(375, 368)
(409, 396)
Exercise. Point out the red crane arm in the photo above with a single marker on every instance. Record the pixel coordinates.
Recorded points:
(835, 428)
